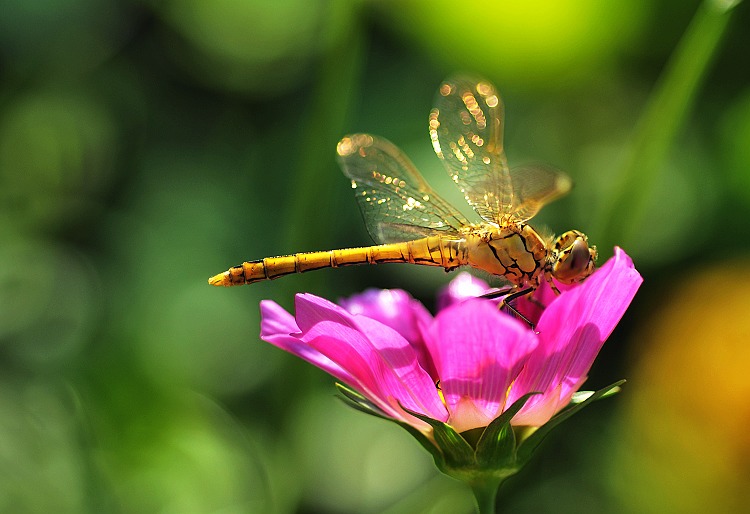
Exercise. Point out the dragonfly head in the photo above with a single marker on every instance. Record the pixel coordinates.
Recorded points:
(572, 258)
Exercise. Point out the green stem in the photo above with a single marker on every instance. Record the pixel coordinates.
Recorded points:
(485, 493)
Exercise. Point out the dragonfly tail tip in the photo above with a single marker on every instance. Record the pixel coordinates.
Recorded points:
(222, 279)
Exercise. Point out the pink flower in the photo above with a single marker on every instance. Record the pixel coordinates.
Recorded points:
(461, 288)
(468, 364)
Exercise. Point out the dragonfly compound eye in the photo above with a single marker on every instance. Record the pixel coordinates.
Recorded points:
(575, 258)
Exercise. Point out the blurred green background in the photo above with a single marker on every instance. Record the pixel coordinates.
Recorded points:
(146, 145)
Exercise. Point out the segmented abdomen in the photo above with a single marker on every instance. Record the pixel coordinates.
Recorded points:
(430, 251)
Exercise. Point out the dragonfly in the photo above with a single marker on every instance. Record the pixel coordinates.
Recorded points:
(413, 224)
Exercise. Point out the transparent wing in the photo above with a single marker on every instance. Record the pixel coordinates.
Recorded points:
(396, 203)
(466, 128)
(535, 186)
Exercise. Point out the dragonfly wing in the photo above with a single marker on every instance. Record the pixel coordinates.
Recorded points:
(466, 128)
(535, 186)
(396, 202)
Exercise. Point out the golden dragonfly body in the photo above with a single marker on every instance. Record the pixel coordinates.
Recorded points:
(416, 226)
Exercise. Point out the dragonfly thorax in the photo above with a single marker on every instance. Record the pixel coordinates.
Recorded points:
(512, 250)
(515, 251)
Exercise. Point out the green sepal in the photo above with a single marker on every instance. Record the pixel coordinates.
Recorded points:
(531, 443)
(582, 396)
(358, 402)
(426, 443)
(496, 447)
(499, 452)
(457, 453)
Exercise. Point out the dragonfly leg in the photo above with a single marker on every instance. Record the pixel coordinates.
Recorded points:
(536, 302)
(512, 296)
(518, 294)
(548, 278)
(498, 293)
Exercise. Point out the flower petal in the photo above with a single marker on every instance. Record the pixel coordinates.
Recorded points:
(393, 307)
(461, 288)
(383, 365)
(279, 328)
(571, 332)
(478, 353)
(400, 311)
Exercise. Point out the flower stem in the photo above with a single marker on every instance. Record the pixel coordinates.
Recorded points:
(485, 493)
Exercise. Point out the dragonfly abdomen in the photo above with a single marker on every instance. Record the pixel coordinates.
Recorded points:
(448, 253)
